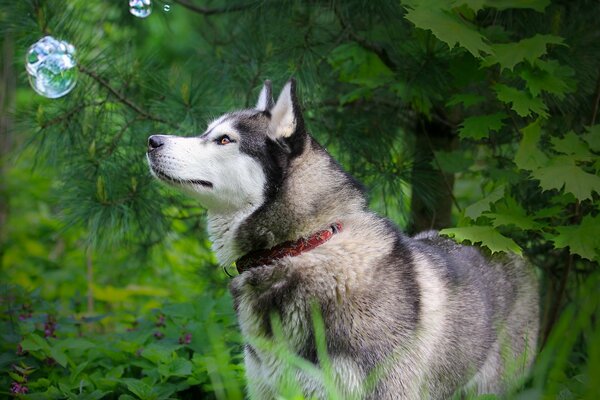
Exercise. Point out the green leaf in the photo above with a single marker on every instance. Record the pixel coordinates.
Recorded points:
(572, 144)
(486, 235)
(548, 76)
(178, 367)
(529, 156)
(582, 239)
(159, 353)
(592, 137)
(562, 172)
(140, 388)
(530, 49)
(447, 27)
(476, 209)
(480, 126)
(34, 342)
(59, 356)
(521, 101)
(508, 212)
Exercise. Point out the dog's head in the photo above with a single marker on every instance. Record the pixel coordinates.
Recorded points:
(239, 161)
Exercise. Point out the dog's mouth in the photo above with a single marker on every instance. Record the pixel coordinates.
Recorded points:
(166, 177)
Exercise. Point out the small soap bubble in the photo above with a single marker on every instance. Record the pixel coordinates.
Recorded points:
(140, 8)
(51, 66)
(167, 7)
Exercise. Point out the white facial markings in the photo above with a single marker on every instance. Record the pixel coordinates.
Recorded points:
(236, 180)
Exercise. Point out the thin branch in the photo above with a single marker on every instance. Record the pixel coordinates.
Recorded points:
(380, 51)
(117, 138)
(68, 114)
(214, 11)
(102, 82)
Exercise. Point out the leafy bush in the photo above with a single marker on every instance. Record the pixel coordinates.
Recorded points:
(183, 350)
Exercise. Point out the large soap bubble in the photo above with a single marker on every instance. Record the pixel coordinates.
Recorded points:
(140, 8)
(51, 67)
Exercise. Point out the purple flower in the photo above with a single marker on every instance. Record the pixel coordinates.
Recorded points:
(161, 321)
(159, 335)
(185, 339)
(50, 327)
(18, 388)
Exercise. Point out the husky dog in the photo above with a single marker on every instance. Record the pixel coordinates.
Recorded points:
(430, 318)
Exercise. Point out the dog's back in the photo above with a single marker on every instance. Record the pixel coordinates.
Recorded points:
(421, 317)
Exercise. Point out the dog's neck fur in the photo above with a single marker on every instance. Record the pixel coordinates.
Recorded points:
(296, 212)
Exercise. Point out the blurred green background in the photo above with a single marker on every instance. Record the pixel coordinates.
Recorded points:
(475, 116)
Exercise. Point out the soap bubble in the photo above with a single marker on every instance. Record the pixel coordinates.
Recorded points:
(167, 7)
(51, 67)
(140, 8)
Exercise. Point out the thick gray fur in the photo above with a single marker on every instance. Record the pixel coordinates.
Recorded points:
(431, 317)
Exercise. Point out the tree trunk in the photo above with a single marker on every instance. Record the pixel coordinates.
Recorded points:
(432, 189)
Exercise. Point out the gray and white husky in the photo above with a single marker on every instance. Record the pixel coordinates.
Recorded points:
(431, 317)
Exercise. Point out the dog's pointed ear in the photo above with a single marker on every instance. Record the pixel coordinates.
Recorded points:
(265, 98)
(286, 116)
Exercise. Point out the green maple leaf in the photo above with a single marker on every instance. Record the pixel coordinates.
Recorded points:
(529, 156)
(477, 208)
(521, 101)
(548, 76)
(530, 49)
(486, 235)
(509, 212)
(480, 126)
(562, 172)
(572, 144)
(582, 239)
(592, 137)
(447, 27)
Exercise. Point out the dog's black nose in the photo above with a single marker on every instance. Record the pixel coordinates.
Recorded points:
(155, 141)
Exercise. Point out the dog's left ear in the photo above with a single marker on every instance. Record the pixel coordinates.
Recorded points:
(286, 116)
(265, 98)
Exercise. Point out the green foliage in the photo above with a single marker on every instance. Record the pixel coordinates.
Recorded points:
(485, 235)
(100, 248)
(177, 349)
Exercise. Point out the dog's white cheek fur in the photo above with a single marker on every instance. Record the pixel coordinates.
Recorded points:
(238, 180)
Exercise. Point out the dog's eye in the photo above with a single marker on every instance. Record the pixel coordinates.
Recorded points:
(223, 140)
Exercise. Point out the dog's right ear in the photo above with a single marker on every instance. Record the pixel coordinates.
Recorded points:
(265, 98)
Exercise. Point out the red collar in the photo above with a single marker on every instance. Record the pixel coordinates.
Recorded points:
(291, 248)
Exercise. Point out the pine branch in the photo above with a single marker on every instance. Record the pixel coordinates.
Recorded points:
(68, 114)
(375, 48)
(214, 11)
(102, 82)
